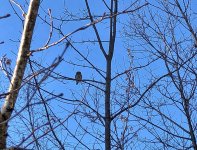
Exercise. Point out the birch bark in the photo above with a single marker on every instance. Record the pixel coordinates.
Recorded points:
(15, 85)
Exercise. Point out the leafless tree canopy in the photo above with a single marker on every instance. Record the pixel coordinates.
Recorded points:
(134, 63)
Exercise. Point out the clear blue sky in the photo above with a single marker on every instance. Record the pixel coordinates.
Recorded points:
(10, 33)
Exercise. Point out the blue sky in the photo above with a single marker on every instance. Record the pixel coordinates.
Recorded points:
(11, 29)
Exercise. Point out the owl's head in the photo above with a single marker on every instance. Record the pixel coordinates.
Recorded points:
(78, 73)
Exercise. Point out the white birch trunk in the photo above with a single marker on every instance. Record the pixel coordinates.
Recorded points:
(19, 70)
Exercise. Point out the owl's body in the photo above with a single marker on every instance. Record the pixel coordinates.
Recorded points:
(78, 77)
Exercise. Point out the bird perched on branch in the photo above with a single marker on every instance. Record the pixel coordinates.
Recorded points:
(78, 77)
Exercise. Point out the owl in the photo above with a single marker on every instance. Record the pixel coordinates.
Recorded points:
(78, 77)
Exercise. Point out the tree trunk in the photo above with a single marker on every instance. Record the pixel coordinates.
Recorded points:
(107, 107)
(19, 70)
(114, 7)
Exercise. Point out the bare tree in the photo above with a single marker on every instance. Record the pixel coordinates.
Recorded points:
(166, 31)
(136, 77)
(16, 81)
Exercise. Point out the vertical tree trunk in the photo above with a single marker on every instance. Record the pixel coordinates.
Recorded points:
(19, 70)
(107, 107)
(114, 10)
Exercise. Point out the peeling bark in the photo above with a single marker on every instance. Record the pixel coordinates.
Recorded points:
(19, 70)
